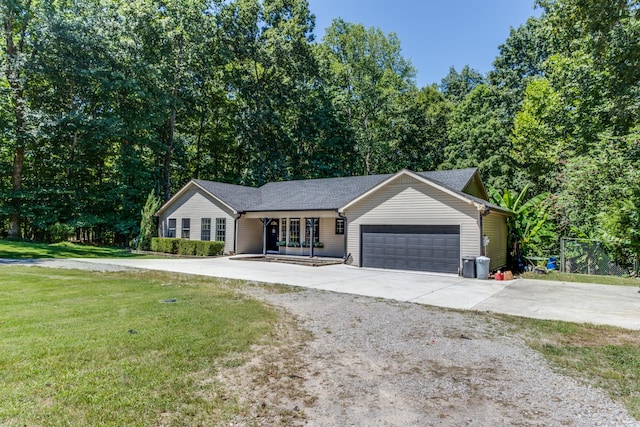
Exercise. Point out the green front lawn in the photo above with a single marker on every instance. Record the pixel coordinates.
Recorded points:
(583, 278)
(20, 249)
(82, 348)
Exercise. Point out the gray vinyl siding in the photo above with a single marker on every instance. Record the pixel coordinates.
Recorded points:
(250, 235)
(333, 243)
(494, 226)
(406, 201)
(195, 205)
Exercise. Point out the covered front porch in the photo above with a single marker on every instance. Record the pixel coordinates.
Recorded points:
(297, 233)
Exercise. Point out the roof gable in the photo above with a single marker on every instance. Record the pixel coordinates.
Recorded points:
(237, 198)
(421, 178)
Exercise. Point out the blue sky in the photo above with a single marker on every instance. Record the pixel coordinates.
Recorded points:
(434, 35)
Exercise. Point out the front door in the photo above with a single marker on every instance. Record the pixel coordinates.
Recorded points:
(272, 235)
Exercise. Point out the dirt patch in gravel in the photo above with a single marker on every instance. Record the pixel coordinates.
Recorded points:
(370, 362)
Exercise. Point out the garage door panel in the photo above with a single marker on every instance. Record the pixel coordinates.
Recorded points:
(423, 248)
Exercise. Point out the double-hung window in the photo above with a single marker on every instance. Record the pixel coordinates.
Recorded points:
(339, 226)
(171, 228)
(316, 229)
(221, 229)
(294, 230)
(186, 227)
(205, 229)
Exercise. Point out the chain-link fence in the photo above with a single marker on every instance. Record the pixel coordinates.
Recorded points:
(585, 256)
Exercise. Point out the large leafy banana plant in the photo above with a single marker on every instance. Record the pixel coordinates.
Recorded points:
(530, 226)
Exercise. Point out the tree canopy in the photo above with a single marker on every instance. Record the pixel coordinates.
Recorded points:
(103, 102)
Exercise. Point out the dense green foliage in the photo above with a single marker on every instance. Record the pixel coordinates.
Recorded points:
(530, 230)
(102, 101)
(186, 247)
(82, 348)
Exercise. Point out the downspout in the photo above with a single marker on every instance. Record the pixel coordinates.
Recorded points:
(311, 237)
(265, 221)
(484, 211)
(235, 233)
(344, 218)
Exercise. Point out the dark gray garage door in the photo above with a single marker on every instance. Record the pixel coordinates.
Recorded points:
(411, 247)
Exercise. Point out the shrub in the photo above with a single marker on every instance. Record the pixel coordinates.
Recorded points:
(206, 248)
(186, 247)
(164, 245)
(60, 232)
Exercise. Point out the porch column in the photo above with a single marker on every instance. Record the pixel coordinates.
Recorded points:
(344, 218)
(311, 237)
(265, 222)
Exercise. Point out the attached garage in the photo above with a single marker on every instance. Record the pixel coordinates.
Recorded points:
(411, 223)
(433, 248)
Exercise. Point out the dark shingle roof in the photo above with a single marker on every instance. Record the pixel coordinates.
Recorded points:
(239, 197)
(311, 194)
(456, 179)
(321, 194)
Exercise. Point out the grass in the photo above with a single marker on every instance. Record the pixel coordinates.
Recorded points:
(604, 356)
(106, 349)
(583, 278)
(20, 249)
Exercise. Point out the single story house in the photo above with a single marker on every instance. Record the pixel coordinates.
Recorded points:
(408, 220)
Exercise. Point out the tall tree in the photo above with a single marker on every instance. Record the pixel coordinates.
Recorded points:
(479, 136)
(456, 86)
(369, 74)
(419, 130)
(538, 143)
(521, 58)
(172, 34)
(270, 70)
(20, 25)
(596, 65)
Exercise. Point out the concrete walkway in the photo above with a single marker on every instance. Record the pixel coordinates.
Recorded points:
(574, 302)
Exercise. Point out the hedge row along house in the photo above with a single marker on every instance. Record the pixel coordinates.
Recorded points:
(425, 221)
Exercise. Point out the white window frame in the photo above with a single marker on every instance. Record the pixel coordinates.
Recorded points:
(221, 229)
(185, 232)
(205, 229)
(171, 231)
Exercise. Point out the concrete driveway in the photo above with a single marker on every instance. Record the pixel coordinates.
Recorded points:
(598, 304)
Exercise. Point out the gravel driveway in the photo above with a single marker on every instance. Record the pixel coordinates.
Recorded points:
(373, 362)
(379, 363)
